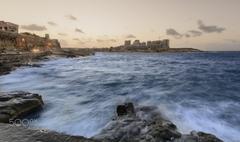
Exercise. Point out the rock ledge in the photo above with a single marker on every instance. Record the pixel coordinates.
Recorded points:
(17, 104)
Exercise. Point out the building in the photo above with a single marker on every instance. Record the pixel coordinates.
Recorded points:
(127, 43)
(150, 44)
(165, 42)
(8, 27)
(30, 41)
(136, 43)
(47, 36)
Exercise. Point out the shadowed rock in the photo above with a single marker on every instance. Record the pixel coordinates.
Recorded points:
(125, 109)
(17, 104)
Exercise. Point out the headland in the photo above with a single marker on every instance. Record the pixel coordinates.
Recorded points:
(19, 49)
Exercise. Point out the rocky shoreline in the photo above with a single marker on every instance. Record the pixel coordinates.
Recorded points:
(131, 124)
(10, 60)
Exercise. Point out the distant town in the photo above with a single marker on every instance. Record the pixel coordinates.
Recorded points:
(149, 44)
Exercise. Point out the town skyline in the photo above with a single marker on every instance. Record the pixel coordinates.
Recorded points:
(198, 24)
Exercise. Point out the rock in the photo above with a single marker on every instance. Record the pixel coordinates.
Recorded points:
(204, 137)
(10, 61)
(146, 124)
(17, 104)
(132, 124)
(198, 137)
(20, 134)
(125, 109)
(72, 52)
(139, 124)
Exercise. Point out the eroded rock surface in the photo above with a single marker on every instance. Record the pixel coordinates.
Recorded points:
(10, 133)
(146, 124)
(18, 104)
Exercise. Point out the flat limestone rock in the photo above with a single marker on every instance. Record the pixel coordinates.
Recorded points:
(17, 104)
(9, 133)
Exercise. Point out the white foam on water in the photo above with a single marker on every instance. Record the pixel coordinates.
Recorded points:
(202, 119)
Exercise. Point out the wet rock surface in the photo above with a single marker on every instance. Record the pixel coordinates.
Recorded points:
(72, 52)
(18, 104)
(9, 133)
(10, 61)
(146, 124)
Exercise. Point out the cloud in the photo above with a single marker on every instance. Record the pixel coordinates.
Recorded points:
(113, 40)
(187, 35)
(193, 33)
(71, 17)
(62, 34)
(234, 41)
(209, 29)
(99, 40)
(33, 27)
(130, 36)
(174, 33)
(52, 23)
(106, 40)
(79, 41)
(79, 31)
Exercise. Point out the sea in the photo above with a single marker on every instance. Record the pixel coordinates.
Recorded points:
(196, 91)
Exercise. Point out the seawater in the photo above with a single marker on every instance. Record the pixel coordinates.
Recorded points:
(197, 91)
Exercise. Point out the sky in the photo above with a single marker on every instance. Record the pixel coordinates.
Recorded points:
(203, 24)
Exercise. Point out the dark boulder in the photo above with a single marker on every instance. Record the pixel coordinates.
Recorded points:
(125, 109)
(17, 104)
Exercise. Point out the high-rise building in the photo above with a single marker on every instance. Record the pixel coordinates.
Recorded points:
(127, 43)
(136, 43)
(165, 43)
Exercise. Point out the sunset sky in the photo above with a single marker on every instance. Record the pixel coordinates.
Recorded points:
(202, 24)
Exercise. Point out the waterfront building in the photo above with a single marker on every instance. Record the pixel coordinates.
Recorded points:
(150, 44)
(165, 42)
(136, 43)
(8, 27)
(127, 43)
